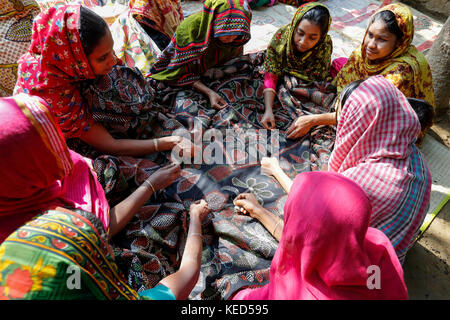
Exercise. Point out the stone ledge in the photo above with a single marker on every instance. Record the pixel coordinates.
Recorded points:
(438, 9)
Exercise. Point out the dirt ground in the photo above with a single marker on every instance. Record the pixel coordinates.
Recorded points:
(426, 268)
(441, 129)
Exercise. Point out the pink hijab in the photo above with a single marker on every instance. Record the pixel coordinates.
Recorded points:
(327, 246)
(38, 171)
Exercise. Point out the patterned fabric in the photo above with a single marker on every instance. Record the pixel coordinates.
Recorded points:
(42, 260)
(261, 3)
(314, 262)
(375, 147)
(237, 249)
(405, 67)
(123, 102)
(195, 47)
(295, 2)
(54, 67)
(16, 17)
(38, 171)
(47, 4)
(132, 44)
(133, 31)
(282, 58)
(29, 129)
(162, 15)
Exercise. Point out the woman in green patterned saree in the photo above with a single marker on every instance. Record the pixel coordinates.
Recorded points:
(203, 40)
(63, 254)
(301, 49)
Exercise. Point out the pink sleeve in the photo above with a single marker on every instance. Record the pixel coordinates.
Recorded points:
(270, 81)
(337, 65)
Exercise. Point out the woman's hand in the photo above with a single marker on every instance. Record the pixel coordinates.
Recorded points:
(301, 126)
(268, 120)
(199, 210)
(165, 176)
(270, 166)
(216, 101)
(183, 146)
(248, 203)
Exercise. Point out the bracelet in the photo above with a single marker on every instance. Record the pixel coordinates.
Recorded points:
(195, 234)
(156, 144)
(276, 226)
(148, 183)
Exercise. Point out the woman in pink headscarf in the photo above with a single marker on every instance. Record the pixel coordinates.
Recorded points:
(39, 172)
(44, 180)
(327, 250)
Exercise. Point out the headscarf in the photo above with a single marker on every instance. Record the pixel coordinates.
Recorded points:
(195, 48)
(162, 15)
(38, 171)
(375, 147)
(16, 17)
(327, 248)
(54, 67)
(405, 67)
(313, 65)
(61, 255)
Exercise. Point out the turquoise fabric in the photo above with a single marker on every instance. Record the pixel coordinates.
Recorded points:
(160, 292)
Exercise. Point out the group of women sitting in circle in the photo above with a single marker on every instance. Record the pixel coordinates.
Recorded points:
(366, 210)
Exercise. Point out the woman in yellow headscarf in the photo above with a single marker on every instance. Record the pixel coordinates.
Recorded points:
(386, 50)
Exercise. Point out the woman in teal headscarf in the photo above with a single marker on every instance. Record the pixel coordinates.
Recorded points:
(203, 40)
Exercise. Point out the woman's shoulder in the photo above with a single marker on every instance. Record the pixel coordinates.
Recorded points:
(280, 35)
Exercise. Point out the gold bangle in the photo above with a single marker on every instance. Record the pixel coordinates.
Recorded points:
(156, 144)
(276, 226)
(148, 183)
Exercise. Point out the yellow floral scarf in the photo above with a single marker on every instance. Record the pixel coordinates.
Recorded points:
(311, 66)
(405, 67)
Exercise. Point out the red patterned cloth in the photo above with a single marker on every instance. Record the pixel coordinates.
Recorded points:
(162, 15)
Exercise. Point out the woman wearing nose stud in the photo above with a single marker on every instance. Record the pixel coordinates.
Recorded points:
(386, 50)
(301, 49)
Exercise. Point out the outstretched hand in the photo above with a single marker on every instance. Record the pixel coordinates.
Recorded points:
(199, 209)
(184, 147)
(270, 166)
(216, 100)
(300, 127)
(268, 120)
(165, 176)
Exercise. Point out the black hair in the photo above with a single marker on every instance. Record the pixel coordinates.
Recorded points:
(348, 90)
(320, 16)
(388, 17)
(92, 29)
(424, 111)
(161, 40)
